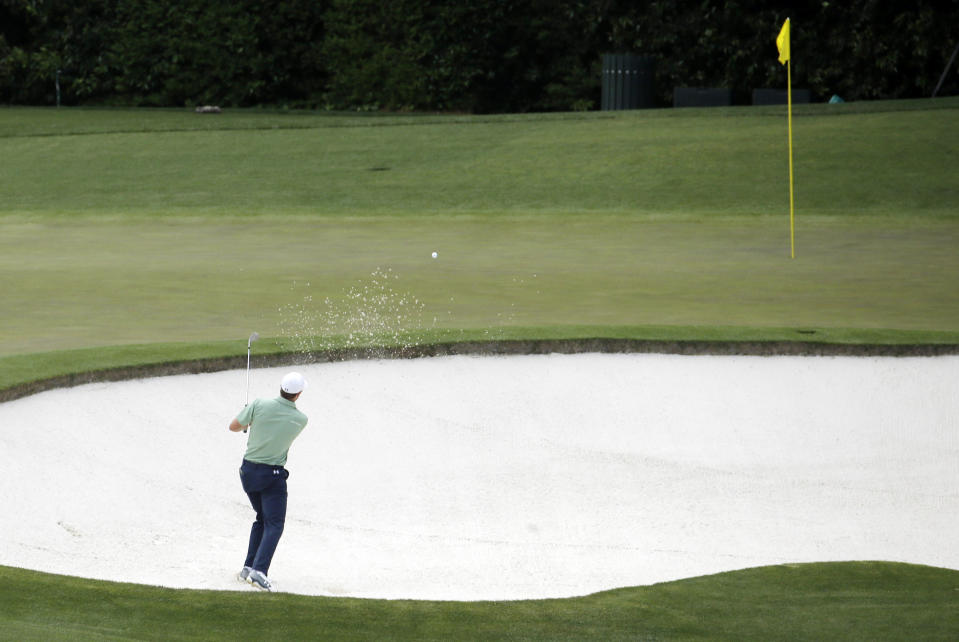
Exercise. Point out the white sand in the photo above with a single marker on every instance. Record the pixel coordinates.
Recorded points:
(470, 478)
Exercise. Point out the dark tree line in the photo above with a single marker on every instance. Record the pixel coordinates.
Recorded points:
(471, 56)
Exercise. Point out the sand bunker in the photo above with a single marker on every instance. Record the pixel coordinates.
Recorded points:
(467, 478)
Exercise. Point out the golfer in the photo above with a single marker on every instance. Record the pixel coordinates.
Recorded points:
(273, 424)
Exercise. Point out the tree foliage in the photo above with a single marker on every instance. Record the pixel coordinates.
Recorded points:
(481, 56)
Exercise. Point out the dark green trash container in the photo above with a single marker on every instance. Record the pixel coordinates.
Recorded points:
(628, 81)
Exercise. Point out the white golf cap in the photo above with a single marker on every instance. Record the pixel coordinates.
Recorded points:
(293, 382)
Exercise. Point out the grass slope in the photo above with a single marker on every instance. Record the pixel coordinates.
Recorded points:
(692, 163)
(70, 366)
(835, 601)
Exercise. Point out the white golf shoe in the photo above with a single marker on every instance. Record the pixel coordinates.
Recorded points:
(259, 580)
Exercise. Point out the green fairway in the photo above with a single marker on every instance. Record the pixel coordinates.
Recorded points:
(840, 601)
(692, 164)
(132, 238)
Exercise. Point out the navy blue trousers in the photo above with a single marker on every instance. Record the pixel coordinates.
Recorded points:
(265, 485)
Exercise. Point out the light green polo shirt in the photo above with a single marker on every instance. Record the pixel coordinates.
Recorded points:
(274, 424)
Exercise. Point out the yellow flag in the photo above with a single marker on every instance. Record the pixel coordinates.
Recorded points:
(782, 41)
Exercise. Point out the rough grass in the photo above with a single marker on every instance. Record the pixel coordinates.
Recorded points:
(836, 601)
(29, 373)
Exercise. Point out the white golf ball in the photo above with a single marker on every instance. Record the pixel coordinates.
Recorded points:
(435, 255)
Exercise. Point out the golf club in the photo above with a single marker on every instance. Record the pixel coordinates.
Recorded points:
(249, 347)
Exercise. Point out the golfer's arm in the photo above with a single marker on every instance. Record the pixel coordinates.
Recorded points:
(235, 425)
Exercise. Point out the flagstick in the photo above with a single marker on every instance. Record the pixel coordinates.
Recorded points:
(789, 100)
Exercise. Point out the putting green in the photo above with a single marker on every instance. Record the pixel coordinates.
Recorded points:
(98, 283)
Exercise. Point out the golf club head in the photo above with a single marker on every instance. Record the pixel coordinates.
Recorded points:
(253, 337)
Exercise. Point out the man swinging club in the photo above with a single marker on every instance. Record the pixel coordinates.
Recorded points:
(273, 424)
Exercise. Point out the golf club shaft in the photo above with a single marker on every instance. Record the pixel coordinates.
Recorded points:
(247, 375)
(249, 347)
(247, 378)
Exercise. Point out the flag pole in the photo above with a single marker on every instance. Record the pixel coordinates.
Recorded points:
(789, 101)
(785, 58)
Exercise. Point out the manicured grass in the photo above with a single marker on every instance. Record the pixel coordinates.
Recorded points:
(167, 226)
(85, 283)
(837, 601)
(21, 369)
(46, 121)
(693, 163)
